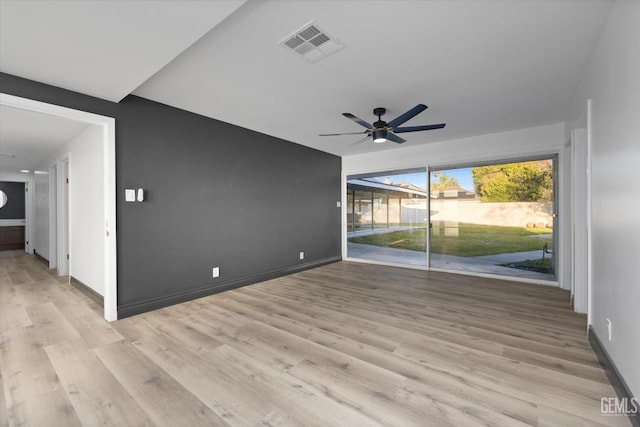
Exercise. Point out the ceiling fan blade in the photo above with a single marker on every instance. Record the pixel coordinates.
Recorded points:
(360, 141)
(395, 138)
(419, 128)
(357, 120)
(347, 133)
(406, 116)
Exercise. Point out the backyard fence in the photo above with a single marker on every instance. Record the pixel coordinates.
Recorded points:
(514, 214)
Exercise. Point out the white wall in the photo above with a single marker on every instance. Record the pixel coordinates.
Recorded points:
(504, 145)
(612, 81)
(86, 197)
(15, 177)
(86, 205)
(41, 215)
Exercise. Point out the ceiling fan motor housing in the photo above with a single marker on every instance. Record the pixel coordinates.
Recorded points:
(379, 124)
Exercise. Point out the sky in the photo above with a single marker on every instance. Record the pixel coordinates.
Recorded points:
(464, 177)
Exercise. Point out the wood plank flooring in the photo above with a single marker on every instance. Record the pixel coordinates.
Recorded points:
(341, 345)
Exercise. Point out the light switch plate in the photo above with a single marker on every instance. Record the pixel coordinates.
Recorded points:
(129, 195)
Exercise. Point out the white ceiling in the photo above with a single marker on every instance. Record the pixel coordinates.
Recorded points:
(101, 48)
(482, 66)
(32, 137)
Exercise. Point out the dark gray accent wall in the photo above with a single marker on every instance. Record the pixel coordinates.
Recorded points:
(14, 209)
(217, 195)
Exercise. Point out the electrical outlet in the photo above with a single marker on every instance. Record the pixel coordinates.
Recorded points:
(301, 255)
(609, 329)
(338, 204)
(215, 272)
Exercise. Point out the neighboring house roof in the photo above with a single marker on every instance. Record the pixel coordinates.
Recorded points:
(410, 186)
(368, 184)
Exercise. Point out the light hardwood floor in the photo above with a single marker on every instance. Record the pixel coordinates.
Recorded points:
(345, 344)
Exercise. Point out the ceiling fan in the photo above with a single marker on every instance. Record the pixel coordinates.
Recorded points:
(382, 131)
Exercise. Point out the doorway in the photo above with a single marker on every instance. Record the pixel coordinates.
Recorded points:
(59, 217)
(13, 208)
(107, 129)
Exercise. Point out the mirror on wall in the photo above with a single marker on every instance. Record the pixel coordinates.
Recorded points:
(3, 199)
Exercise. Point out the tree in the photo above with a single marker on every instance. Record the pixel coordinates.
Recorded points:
(514, 182)
(444, 182)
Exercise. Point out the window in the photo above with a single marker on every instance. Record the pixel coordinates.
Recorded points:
(387, 217)
(494, 218)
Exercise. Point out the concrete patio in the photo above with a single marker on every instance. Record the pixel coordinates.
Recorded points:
(483, 264)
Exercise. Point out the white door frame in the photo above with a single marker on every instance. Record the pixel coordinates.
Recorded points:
(29, 237)
(53, 216)
(581, 214)
(579, 240)
(63, 224)
(589, 232)
(108, 127)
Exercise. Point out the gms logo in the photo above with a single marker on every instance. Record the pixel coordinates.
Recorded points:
(617, 406)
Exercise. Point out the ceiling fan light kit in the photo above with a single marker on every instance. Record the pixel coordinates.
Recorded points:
(379, 136)
(381, 131)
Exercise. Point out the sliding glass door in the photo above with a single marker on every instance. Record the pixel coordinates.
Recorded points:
(387, 217)
(494, 218)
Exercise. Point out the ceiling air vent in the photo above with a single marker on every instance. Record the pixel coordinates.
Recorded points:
(311, 42)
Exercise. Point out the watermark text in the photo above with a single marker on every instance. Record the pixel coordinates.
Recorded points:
(619, 406)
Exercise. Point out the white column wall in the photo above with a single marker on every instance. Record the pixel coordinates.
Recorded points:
(611, 81)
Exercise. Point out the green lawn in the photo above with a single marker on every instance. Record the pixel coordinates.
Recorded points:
(472, 240)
